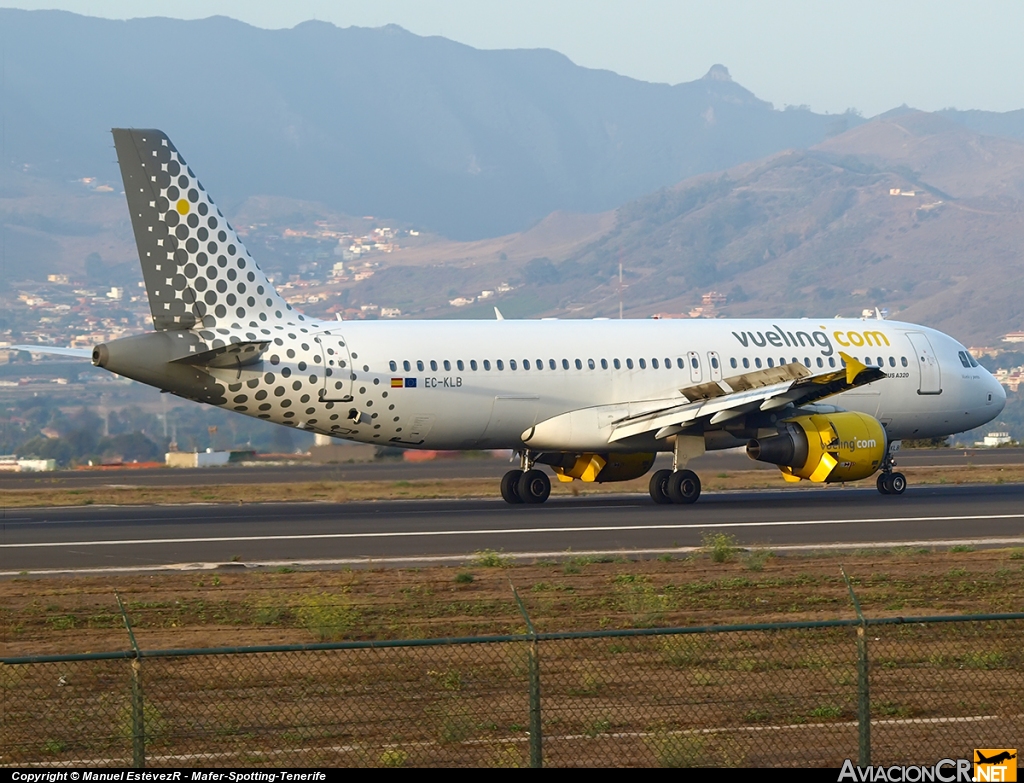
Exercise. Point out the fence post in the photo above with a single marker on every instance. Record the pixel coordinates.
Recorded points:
(536, 740)
(138, 707)
(863, 692)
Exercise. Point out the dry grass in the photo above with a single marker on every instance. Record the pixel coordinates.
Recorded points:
(242, 607)
(752, 698)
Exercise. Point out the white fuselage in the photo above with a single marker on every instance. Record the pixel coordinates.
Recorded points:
(481, 384)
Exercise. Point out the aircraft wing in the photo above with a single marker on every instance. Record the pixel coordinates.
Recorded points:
(76, 353)
(718, 401)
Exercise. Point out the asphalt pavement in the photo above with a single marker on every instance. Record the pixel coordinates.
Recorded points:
(326, 534)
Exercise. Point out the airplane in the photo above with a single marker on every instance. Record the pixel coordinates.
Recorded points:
(996, 759)
(592, 400)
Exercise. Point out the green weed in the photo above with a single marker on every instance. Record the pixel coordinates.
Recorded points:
(393, 758)
(327, 616)
(720, 546)
(488, 558)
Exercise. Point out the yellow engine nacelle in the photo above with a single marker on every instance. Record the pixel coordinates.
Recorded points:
(824, 447)
(602, 467)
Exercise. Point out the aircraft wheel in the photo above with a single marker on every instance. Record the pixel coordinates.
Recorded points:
(684, 486)
(897, 484)
(534, 486)
(659, 486)
(883, 483)
(510, 487)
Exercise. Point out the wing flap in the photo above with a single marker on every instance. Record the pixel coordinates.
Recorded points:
(771, 389)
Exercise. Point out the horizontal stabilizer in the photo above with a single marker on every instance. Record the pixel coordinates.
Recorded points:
(74, 353)
(228, 356)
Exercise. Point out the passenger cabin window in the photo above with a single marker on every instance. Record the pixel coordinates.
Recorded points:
(629, 364)
(500, 364)
(903, 360)
(590, 364)
(460, 365)
(487, 364)
(732, 363)
(693, 363)
(472, 364)
(433, 365)
(746, 364)
(771, 362)
(604, 364)
(892, 361)
(668, 364)
(616, 364)
(579, 365)
(447, 365)
(831, 361)
(820, 362)
(511, 364)
(679, 363)
(393, 366)
(526, 364)
(654, 364)
(406, 365)
(419, 365)
(807, 362)
(565, 364)
(714, 362)
(757, 363)
(643, 364)
(552, 365)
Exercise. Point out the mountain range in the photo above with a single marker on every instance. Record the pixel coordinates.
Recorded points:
(519, 167)
(464, 142)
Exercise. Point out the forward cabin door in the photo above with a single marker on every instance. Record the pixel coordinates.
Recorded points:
(931, 376)
(335, 365)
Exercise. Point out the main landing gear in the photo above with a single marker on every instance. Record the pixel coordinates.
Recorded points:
(680, 486)
(890, 482)
(527, 485)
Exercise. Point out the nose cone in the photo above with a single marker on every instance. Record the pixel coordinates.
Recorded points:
(998, 396)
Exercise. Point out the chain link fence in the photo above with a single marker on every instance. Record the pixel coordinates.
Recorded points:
(893, 690)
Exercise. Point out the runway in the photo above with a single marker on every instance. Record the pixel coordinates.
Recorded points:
(397, 470)
(312, 534)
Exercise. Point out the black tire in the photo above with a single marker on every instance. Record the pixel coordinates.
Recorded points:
(510, 487)
(534, 486)
(684, 487)
(883, 483)
(897, 484)
(659, 487)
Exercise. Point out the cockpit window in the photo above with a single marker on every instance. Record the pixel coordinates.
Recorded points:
(963, 359)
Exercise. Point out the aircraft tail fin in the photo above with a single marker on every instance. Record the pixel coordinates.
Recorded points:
(196, 269)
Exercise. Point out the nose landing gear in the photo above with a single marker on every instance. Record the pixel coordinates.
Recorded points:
(890, 482)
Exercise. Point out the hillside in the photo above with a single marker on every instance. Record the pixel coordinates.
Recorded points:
(817, 232)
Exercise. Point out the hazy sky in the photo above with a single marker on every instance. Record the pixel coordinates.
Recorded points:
(865, 54)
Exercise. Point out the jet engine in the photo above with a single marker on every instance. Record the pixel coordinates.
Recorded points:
(598, 467)
(824, 447)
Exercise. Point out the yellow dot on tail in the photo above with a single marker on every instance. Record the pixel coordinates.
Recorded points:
(182, 206)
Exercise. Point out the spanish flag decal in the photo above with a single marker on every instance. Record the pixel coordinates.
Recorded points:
(396, 383)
